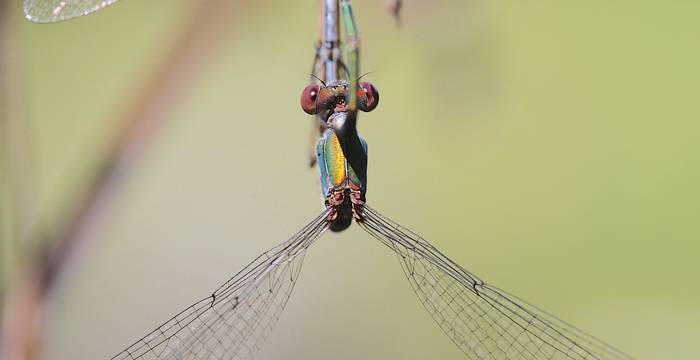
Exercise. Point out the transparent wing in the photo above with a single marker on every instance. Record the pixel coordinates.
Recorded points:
(234, 321)
(484, 321)
(47, 11)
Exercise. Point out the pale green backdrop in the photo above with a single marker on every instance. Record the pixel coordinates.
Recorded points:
(549, 146)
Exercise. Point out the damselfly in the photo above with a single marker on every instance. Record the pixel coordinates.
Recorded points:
(482, 320)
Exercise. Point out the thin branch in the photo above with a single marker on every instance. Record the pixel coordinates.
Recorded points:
(204, 28)
(17, 164)
(146, 115)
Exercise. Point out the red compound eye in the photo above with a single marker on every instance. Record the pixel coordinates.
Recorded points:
(308, 99)
(372, 95)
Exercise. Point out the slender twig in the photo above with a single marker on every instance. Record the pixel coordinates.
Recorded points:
(17, 166)
(139, 122)
(150, 109)
(6, 213)
(20, 310)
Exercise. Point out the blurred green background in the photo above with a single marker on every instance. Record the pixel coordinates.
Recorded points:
(550, 147)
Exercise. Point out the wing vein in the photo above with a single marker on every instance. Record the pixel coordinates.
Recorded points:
(482, 320)
(234, 321)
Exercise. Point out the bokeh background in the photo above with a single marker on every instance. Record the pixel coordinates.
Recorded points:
(550, 147)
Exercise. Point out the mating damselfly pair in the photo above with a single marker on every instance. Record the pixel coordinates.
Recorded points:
(234, 321)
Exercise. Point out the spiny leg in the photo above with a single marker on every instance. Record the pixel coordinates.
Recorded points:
(318, 126)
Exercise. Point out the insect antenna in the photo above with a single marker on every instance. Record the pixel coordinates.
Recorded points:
(318, 78)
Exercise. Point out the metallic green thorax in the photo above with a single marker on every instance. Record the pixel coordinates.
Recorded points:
(336, 172)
